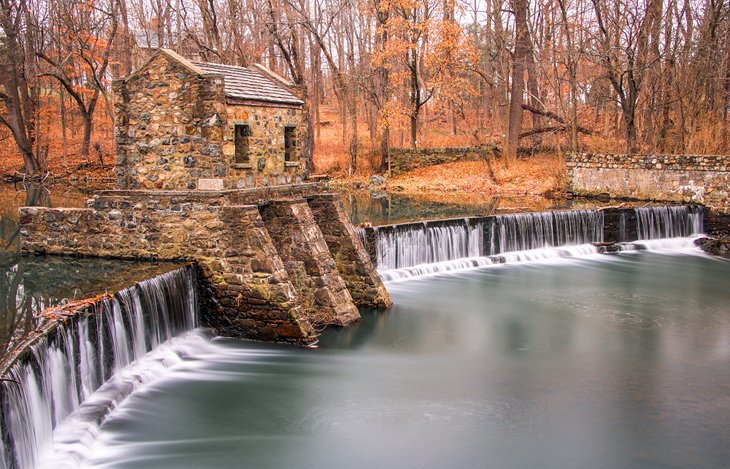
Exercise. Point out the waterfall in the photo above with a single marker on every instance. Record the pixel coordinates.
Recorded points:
(412, 244)
(526, 231)
(416, 244)
(415, 249)
(668, 222)
(80, 355)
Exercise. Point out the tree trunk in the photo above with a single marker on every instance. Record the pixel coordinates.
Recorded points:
(64, 136)
(352, 152)
(522, 49)
(415, 97)
(414, 131)
(17, 100)
(88, 129)
(629, 117)
(534, 95)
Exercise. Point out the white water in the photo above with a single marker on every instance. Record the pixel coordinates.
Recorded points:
(528, 231)
(431, 248)
(532, 255)
(75, 372)
(427, 242)
(73, 438)
(668, 222)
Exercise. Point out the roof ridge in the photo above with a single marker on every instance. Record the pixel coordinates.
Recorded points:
(170, 54)
(273, 75)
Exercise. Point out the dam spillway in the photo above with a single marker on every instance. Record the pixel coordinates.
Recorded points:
(405, 250)
(276, 263)
(74, 354)
(117, 338)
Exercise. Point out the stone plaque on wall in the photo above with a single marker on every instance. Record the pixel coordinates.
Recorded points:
(211, 184)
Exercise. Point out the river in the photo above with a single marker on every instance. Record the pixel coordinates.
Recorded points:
(606, 361)
(591, 360)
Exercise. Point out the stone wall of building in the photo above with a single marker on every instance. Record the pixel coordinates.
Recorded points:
(266, 164)
(678, 178)
(169, 125)
(267, 278)
(175, 131)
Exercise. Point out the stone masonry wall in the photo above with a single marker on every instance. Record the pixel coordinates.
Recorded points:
(351, 258)
(677, 178)
(266, 161)
(308, 261)
(407, 159)
(183, 200)
(249, 293)
(175, 131)
(169, 127)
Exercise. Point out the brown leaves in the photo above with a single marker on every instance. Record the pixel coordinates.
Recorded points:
(72, 308)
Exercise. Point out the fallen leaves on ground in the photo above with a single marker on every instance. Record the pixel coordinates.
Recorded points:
(538, 175)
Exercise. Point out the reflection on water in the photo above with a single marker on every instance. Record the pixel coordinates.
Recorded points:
(613, 362)
(388, 208)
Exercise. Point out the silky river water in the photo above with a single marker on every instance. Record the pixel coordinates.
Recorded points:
(602, 362)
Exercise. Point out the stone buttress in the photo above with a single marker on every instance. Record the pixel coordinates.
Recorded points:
(351, 258)
(308, 261)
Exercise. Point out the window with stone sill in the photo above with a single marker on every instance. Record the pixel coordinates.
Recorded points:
(242, 142)
(290, 143)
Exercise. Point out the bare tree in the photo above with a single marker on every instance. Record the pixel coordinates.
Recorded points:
(16, 77)
(519, 63)
(82, 68)
(624, 41)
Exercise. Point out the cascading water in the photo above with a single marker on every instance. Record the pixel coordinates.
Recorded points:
(82, 355)
(412, 244)
(415, 249)
(672, 227)
(668, 222)
(526, 231)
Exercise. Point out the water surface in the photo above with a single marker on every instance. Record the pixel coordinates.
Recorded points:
(613, 361)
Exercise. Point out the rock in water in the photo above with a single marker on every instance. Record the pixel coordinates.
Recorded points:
(719, 246)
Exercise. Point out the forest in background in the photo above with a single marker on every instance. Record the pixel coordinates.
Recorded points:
(600, 75)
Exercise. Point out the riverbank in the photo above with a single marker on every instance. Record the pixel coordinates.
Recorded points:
(472, 181)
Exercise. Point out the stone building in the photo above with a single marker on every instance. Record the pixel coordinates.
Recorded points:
(191, 125)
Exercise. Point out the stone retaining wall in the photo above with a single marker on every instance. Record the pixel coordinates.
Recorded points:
(175, 200)
(675, 178)
(351, 259)
(717, 222)
(408, 159)
(249, 268)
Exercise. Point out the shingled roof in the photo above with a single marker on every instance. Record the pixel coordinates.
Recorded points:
(250, 83)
